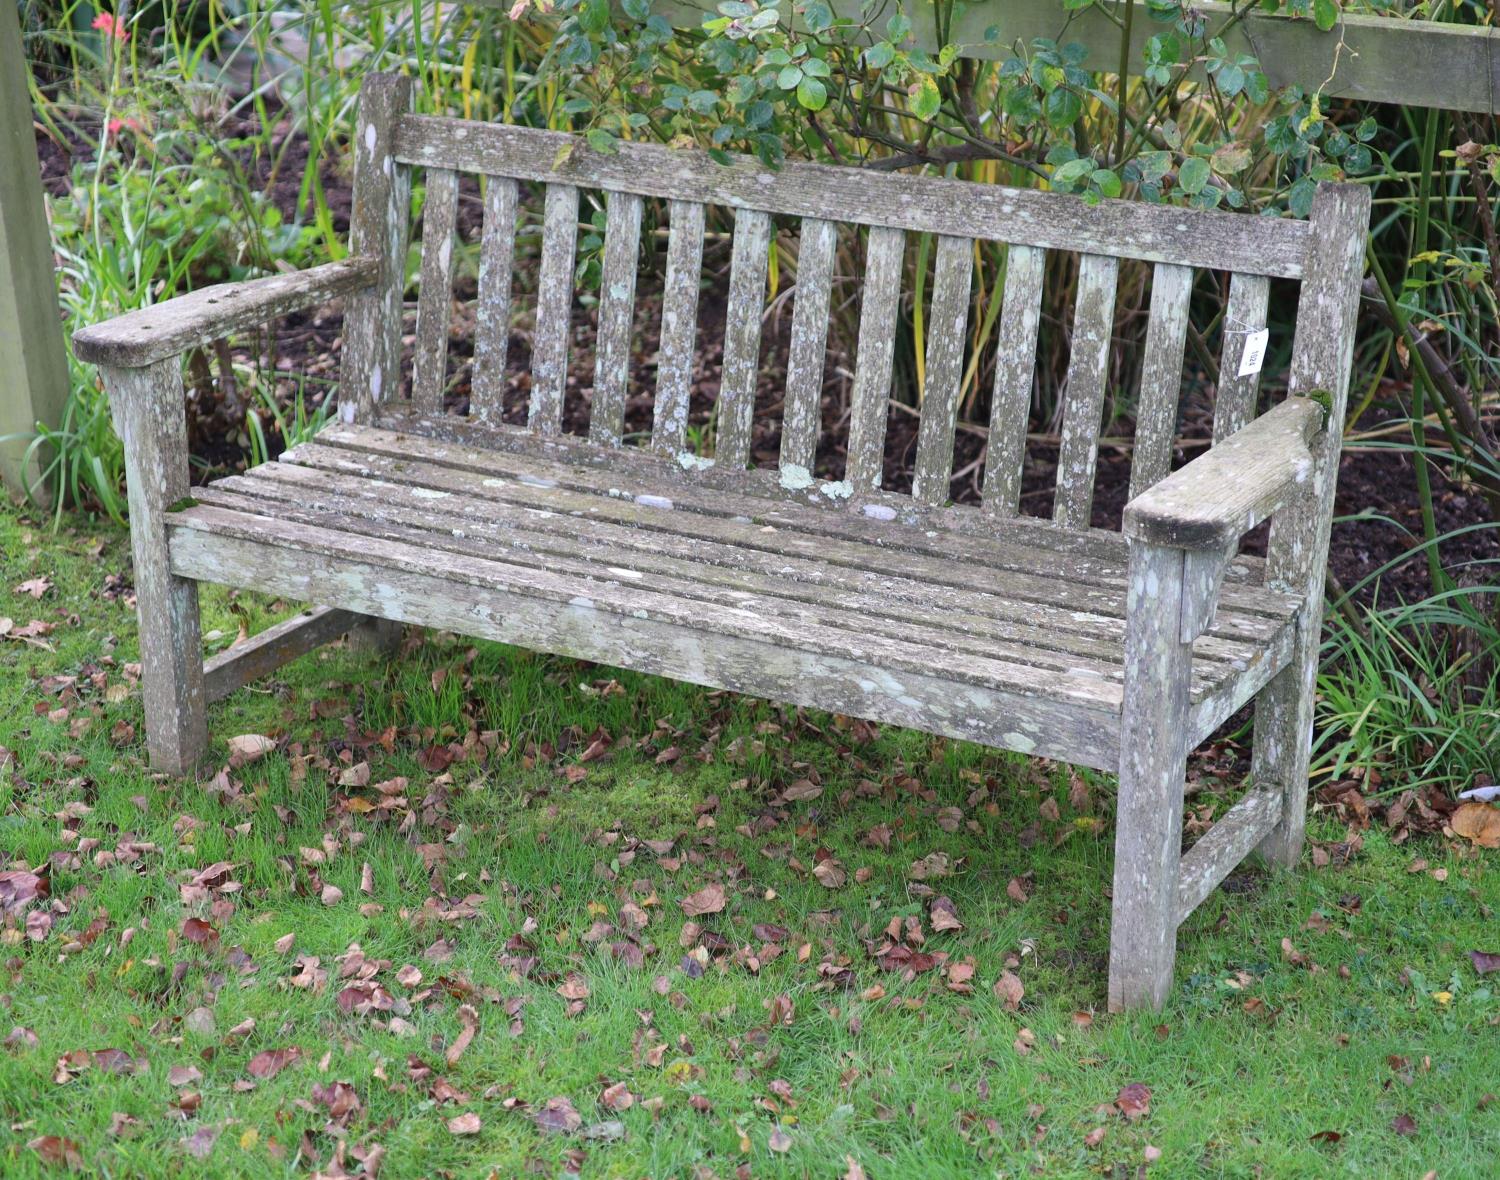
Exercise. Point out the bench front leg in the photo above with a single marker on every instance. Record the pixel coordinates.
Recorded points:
(1153, 766)
(147, 406)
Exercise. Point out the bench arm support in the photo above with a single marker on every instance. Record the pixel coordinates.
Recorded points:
(1204, 508)
(140, 338)
(1225, 492)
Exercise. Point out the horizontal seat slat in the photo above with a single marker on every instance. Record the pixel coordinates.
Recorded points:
(540, 523)
(712, 618)
(1086, 571)
(558, 543)
(692, 582)
(691, 476)
(921, 204)
(413, 587)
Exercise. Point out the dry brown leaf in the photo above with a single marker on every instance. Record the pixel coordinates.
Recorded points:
(708, 900)
(465, 1124)
(1009, 989)
(248, 747)
(1478, 823)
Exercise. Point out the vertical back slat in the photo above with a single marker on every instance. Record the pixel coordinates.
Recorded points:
(946, 335)
(622, 249)
(884, 260)
(747, 301)
(1249, 296)
(554, 307)
(378, 226)
(1088, 370)
(1161, 376)
(429, 368)
(1015, 370)
(802, 409)
(679, 327)
(497, 250)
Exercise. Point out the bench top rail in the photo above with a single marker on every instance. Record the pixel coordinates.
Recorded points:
(1125, 229)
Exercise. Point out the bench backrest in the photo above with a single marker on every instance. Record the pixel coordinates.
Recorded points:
(1176, 242)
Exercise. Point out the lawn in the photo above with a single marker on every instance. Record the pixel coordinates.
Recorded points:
(482, 913)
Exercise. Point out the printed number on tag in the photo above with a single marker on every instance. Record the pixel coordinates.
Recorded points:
(1254, 355)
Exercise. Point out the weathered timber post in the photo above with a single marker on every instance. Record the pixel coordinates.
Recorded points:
(33, 364)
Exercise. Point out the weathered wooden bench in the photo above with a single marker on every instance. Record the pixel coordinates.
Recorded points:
(1120, 651)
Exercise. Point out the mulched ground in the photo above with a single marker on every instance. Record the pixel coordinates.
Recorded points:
(1380, 484)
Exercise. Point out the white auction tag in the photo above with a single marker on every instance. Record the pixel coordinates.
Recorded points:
(1254, 355)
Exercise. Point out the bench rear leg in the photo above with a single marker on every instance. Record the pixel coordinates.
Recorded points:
(1283, 745)
(147, 405)
(1153, 764)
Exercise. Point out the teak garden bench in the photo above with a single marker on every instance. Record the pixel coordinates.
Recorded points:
(1120, 651)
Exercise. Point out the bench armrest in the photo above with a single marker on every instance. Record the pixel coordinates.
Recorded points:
(1221, 495)
(169, 329)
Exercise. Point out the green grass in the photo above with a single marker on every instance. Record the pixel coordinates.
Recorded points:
(1253, 1058)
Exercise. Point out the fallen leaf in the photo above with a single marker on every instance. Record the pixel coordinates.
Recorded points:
(557, 1117)
(830, 873)
(470, 1020)
(465, 1124)
(201, 1142)
(1485, 961)
(55, 1150)
(1404, 1124)
(931, 866)
(1134, 1101)
(1478, 823)
(780, 1141)
(945, 915)
(1009, 990)
(35, 587)
(271, 1062)
(708, 900)
(802, 791)
(248, 747)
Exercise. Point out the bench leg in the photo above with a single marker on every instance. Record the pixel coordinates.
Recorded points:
(148, 414)
(1283, 745)
(376, 636)
(1153, 763)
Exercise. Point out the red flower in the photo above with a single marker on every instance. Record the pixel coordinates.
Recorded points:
(110, 27)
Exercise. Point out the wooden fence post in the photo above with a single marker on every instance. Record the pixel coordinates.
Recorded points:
(33, 364)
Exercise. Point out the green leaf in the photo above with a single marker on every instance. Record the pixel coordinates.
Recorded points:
(1325, 14)
(593, 16)
(600, 140)
(1193, 175)
(789, 78)
(880, 55)
(1230, 158)
(1069, 175)
(925, 99)
(1062, 107)
(812, 94)
(1107, 181)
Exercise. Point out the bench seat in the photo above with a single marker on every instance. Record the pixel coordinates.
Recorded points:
(991, 634)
